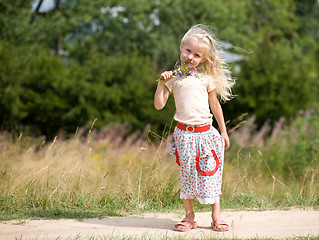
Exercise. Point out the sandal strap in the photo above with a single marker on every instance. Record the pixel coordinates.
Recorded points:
(187, 220)
(219, 221)
(187, 224)
(182, 224)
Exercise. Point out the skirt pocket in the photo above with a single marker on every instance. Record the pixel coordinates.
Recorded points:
(205, 166)
(209, 171)
(176, 155)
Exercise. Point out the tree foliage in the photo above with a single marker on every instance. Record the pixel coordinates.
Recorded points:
(112, 51)
(280, 77)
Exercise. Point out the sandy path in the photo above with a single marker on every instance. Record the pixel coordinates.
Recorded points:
(244, 224)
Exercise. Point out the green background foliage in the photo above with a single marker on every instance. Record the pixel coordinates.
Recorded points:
(113, 50)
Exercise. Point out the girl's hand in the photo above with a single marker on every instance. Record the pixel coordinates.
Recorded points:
(167, 75)
(226, 139)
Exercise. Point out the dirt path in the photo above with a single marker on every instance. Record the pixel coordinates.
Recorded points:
(244, 224)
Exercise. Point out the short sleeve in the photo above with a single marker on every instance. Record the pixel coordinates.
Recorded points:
(169, 84)
(210, 84)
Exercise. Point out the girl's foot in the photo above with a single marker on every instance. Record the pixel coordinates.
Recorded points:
(219, 225)
(185, 225)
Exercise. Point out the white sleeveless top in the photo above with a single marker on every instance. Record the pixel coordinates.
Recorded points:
(191, 98)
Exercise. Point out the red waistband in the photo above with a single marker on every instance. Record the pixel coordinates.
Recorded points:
(190, 128)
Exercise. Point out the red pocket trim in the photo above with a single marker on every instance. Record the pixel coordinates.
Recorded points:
(176, 155)
(209, 173)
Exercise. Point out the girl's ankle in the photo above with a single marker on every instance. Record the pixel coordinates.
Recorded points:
(215, 216)
(190, 216)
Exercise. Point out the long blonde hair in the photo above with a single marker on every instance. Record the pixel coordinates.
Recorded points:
(214, 66)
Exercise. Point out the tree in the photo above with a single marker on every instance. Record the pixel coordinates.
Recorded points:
(114, 50)
(280, 76)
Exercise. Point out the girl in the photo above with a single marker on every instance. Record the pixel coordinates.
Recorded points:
(198, 146)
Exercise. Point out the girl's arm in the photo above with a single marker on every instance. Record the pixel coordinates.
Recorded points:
(218, 114)
(162, 92)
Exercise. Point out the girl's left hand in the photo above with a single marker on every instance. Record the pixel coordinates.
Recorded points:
(167, 75)
(226, 140)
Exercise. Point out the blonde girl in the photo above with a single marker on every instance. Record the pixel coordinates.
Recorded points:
(198, 146)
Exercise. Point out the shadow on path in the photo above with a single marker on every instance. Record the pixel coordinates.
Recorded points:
(134, 222)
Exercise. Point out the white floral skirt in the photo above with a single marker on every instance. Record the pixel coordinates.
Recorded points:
(201, 157)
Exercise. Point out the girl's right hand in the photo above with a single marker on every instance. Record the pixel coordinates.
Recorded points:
(167, 75)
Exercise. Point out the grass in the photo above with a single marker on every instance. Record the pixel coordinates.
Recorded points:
(98, 173)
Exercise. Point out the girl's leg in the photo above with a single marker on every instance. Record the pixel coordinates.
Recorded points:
(189, 212)
(216, 215)
(216, 210)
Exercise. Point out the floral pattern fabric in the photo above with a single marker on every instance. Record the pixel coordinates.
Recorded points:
(201, 157)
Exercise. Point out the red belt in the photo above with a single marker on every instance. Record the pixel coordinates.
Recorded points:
(190, 128)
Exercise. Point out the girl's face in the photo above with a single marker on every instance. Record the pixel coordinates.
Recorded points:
(194, 51)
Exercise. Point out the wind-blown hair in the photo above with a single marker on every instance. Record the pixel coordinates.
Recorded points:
(214, 66)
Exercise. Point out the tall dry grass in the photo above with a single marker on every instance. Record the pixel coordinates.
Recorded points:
(278, 163)
(104, 172)
(107, 172)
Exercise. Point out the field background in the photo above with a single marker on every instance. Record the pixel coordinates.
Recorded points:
(96, 173)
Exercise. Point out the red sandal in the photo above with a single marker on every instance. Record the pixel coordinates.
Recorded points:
(217, 222)
(185, 225)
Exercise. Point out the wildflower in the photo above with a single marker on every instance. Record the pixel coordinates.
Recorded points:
(181, 70)
(281, 119)
(310, 112)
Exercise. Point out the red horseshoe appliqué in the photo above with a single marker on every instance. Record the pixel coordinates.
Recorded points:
(177, 159)
(208, 173)
(201, 172)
